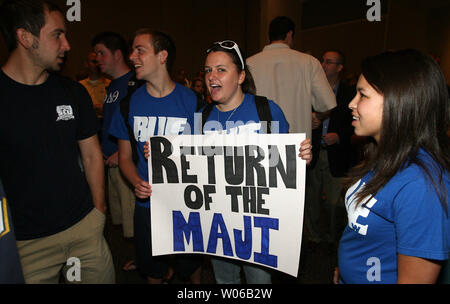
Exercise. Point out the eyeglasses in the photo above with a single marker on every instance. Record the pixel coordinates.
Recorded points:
(330, 62)
(229, 45)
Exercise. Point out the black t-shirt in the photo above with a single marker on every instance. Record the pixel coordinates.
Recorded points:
(10, 267)
(40, 166)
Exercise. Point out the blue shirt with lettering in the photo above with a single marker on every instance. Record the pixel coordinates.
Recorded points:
(404, 217)
(245, 118)
(116, 91)
(150, 116)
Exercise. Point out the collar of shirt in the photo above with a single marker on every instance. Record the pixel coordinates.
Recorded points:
(276, 46)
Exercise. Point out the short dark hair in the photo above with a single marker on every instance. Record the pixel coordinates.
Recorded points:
(279, 27)
(341, 55)
(113, 42)
(26, 14)
(160, 42)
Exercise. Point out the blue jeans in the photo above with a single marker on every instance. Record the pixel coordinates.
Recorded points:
(228, 272)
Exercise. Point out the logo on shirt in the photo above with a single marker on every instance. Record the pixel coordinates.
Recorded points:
(64, 113)
(232, 127)
(362, 211)
(4, 224)
(146, 126)
(112, 97)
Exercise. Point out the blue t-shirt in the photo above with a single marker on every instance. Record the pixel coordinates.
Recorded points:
(245, 118)
(405, 217)
(116, 91)
(150, 116)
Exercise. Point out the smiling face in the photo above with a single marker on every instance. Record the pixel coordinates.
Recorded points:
(223, 79)
(49, 49)
(367, 110)
(146, 63)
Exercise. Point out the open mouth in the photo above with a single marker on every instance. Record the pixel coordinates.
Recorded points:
(215, 87)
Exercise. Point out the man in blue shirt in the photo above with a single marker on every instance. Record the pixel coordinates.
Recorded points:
(160, 107)
(111, 53)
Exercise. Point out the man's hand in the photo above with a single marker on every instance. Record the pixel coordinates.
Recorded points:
(91, 155)
(331, 138)
(147, 150)
(142, 189)
(113, 160)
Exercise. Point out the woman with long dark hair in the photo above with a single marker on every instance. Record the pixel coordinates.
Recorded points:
(397, 200)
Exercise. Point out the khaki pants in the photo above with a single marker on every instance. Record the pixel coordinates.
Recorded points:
(121, 201)
(43, 259)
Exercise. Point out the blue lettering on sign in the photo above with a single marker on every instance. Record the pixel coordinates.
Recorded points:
(192, 227)
(244, 247)
(242, 239)
(266, 224)
(214, 235)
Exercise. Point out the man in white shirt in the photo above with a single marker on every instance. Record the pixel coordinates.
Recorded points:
(294, 80)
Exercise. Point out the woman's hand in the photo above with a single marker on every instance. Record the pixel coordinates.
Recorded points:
(305, 151)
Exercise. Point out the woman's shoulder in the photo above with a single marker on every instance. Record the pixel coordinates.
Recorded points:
(420, 171)
(274, 107)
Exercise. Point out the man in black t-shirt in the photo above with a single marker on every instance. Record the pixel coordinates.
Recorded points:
(47, 123)
(10, 268)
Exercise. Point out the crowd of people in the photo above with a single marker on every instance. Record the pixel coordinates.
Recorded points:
(378, 149)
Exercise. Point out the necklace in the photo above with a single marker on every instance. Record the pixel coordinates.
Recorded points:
(228, 116)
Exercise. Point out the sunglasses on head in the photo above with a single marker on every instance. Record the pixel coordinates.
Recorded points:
(229, 45)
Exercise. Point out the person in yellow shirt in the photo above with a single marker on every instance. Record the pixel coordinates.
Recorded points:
(95, 83)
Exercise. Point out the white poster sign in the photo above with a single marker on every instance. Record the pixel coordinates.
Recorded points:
(234, 196)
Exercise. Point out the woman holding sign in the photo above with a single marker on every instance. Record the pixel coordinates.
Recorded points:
(397, 200)
(237, 110)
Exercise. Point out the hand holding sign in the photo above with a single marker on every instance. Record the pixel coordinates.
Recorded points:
(147, 149)
(142, 189)
(305, 152)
